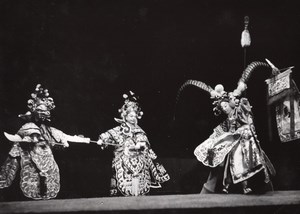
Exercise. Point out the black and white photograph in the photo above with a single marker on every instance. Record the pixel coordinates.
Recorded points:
(148, 106)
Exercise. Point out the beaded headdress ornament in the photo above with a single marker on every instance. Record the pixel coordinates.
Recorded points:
(39, 100)
(130, 104)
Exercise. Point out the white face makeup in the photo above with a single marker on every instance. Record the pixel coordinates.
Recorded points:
(226, 108)
(131, 118)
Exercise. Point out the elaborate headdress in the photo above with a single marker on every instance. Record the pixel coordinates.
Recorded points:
(130, 104)
(218, 94)
(40, 97)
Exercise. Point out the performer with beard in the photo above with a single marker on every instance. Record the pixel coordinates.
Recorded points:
(31, 152)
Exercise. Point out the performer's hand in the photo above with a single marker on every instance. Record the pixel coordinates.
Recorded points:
(100, 142)
(66, 144)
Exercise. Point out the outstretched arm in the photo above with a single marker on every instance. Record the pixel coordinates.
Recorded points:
(64, 139)
(109, 138)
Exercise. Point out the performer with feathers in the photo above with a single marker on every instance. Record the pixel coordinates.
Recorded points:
(233, 150)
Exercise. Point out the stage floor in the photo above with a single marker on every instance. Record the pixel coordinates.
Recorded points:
(276, 202)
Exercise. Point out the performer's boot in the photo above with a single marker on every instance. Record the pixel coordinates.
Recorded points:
(246, 189)
(225, 189)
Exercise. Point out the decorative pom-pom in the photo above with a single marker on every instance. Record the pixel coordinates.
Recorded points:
(37, 88)
(213, 94)
(245, 38)
(219, 88)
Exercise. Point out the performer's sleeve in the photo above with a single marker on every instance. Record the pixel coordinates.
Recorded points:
(218, 131)
(8, 171)
(110, 137)
(59, 137)
(142, 138)
(65, 138)
(243, 111)
(10, 167)
(245, 106)
(15, 150)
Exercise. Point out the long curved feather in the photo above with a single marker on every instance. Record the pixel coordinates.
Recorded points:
(196, 83)
(250, 68)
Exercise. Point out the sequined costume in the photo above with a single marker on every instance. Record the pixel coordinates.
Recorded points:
(31, 152)
(134, 168)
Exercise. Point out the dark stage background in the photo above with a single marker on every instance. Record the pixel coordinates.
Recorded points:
(88, 53)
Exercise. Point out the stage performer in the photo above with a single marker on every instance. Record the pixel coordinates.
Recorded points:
(233, 150)
(31, 153)
(134, 168)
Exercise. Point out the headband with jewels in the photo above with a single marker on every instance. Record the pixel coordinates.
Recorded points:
(40, 97)
(130, 104)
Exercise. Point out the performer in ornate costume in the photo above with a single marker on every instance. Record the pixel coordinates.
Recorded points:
(31, 152)
(134, 168)
(233, 150)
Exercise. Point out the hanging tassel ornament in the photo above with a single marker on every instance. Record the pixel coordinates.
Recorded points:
(246, 39)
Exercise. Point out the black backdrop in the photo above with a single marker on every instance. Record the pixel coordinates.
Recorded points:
(88, 53)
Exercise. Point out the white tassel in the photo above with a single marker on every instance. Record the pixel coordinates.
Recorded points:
(245, 38)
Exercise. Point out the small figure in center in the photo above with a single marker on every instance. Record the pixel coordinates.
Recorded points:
(134, 168)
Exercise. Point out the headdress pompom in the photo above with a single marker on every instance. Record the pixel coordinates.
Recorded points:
(219, 88)
(130, 103)
(213, 94)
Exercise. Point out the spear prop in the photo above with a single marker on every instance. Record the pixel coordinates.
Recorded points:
(109, 144)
